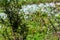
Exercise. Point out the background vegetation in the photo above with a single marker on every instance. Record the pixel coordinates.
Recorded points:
(42, 24)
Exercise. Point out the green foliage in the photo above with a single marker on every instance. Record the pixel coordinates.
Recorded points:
(38, 26)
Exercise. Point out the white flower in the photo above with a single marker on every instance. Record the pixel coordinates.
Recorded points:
(26, 12)
(58, 3)
(3, 15)
(33, 8)
(28, 6)
(52, 4)
(41, 5)
(47, 4)
(43, 10)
